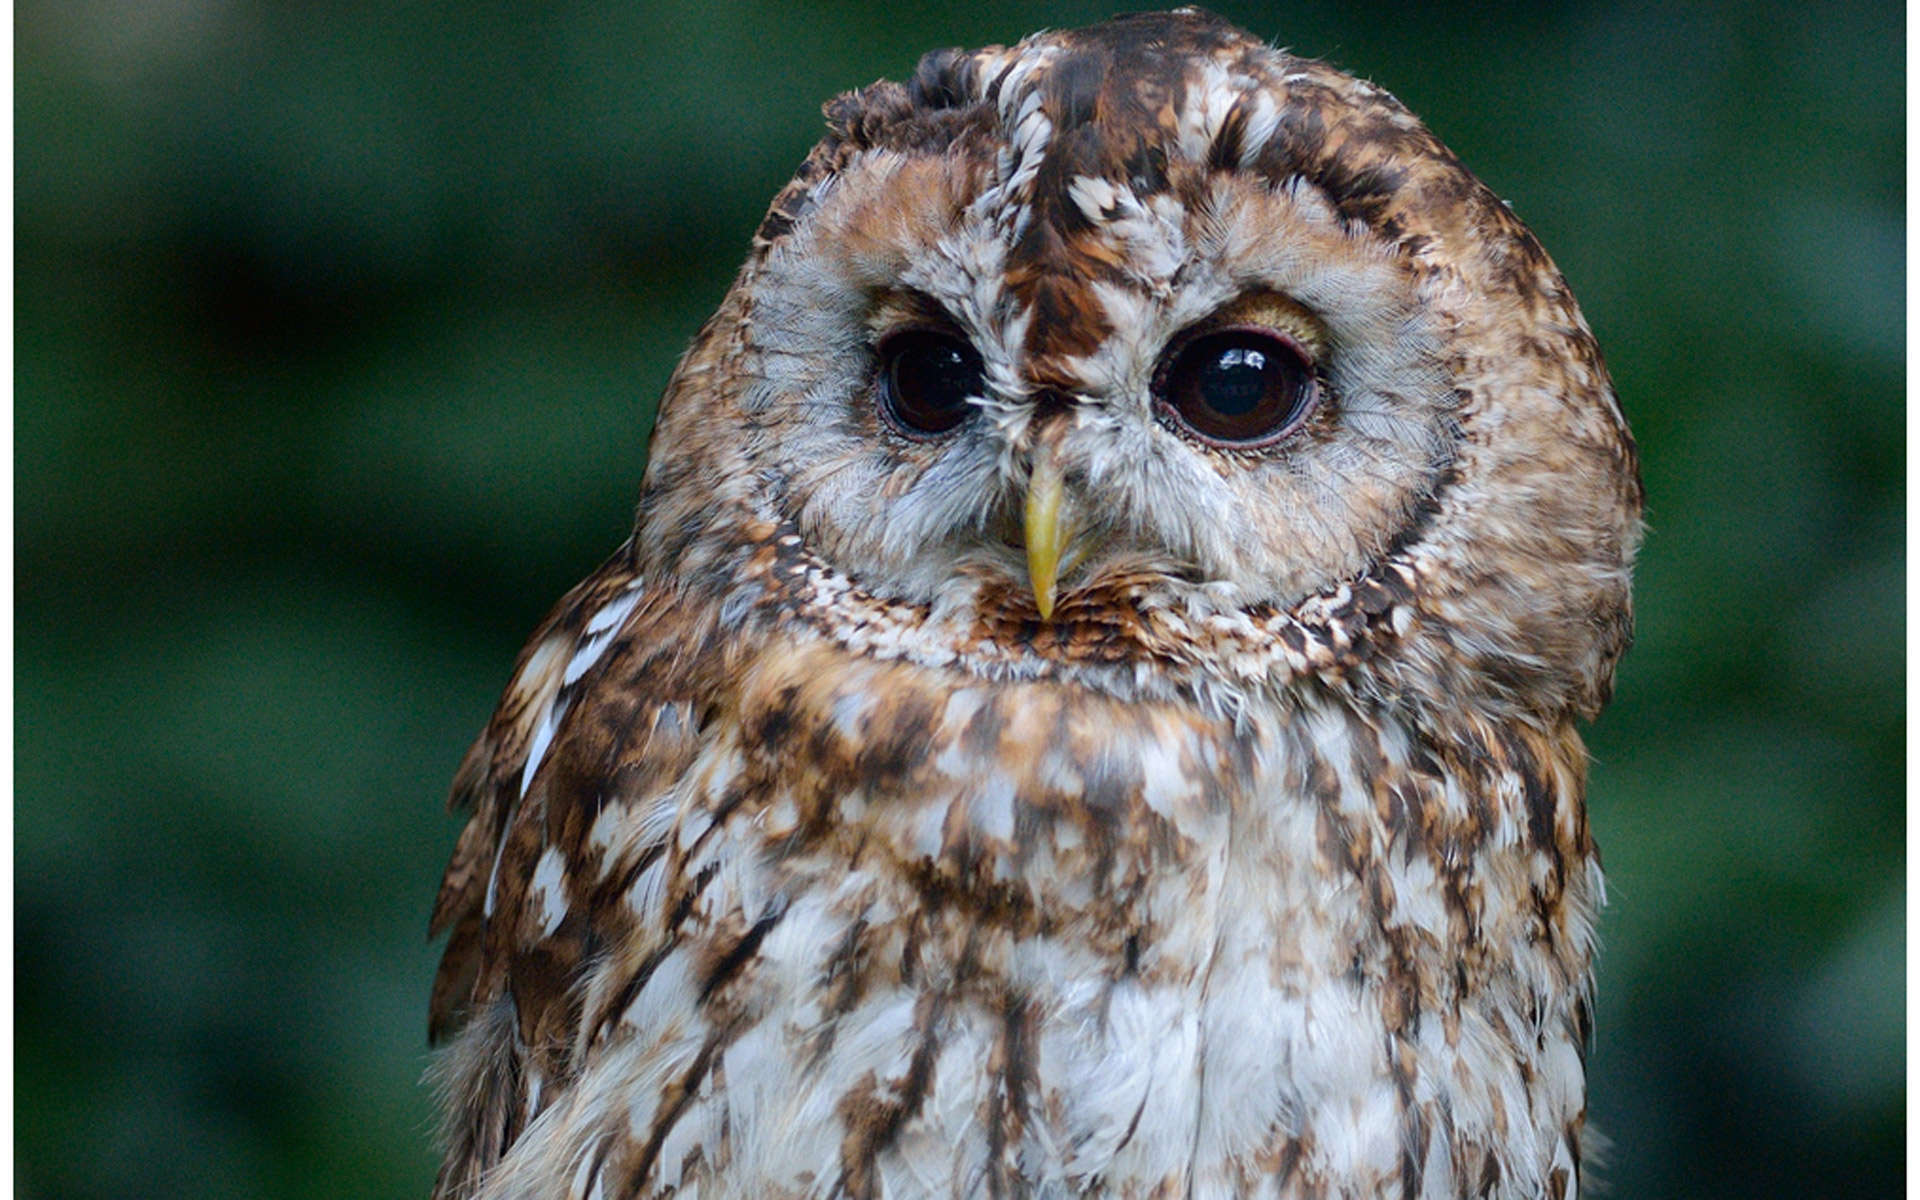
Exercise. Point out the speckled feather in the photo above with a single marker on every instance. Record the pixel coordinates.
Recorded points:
(806, 859)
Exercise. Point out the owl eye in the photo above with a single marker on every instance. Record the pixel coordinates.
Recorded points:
(1237, 387)
(927, 379)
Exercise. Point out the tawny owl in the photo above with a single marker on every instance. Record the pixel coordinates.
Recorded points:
(1088, 706)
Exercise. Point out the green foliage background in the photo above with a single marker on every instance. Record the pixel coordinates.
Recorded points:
(339, 329)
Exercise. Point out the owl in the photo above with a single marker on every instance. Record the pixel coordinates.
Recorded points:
(1088, 707)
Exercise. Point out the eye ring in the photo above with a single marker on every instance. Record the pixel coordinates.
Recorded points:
(1237, 387)
(927, 381)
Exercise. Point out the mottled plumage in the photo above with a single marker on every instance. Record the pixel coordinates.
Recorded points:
(809, 858)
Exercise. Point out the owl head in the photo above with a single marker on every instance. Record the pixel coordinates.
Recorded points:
(1153, 355)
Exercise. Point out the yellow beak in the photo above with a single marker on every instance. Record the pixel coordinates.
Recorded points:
(1047, 534)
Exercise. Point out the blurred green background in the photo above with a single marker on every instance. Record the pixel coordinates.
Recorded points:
(339, 329)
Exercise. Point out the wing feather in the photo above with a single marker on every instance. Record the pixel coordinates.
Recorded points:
(488, 784)
(566, 787)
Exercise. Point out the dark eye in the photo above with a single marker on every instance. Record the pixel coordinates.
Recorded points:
(926, 379)
(1237, 387)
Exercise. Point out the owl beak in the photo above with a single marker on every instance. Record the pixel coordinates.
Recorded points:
(1047, 532)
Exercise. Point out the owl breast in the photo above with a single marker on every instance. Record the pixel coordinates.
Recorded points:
(1028, 938)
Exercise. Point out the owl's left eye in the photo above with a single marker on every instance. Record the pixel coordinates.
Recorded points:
(1237, 387)
(927, 379)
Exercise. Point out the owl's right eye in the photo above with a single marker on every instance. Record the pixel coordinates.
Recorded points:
(928, 380)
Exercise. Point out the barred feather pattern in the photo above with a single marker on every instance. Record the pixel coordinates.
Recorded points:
(806, 858)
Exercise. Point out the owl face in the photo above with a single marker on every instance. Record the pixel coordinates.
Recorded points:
(1153, 317)
(1247, 406)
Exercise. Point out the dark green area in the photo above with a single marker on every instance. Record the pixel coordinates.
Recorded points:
(339, 329)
